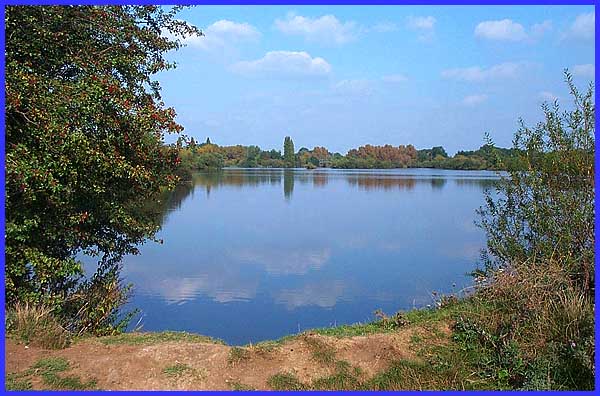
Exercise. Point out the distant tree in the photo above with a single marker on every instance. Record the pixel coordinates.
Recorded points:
(208, 140)
(288, 152)
(438, 150)
(192, 143)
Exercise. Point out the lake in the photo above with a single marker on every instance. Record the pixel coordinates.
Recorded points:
(256, 254)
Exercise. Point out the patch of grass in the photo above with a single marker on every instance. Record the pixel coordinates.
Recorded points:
(67, 383)
(176, 370)
(263, 348)
(48, 369)
(51, 365)
(345, 377)
(237, 354)
(392, 323)
(357, 329)
(285, 381)
(321, 352)
(238, 386)
(18, 381)
(156, 338)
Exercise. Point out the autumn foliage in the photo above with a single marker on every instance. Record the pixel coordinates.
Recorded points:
(84, 146)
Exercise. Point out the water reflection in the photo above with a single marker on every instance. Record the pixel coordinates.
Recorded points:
(288, 183)
(335, 246)
(366, 180)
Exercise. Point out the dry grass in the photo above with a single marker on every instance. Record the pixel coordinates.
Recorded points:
(36, 324)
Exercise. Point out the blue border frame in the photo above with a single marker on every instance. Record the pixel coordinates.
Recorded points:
(286, 2)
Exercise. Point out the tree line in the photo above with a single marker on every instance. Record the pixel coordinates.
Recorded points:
(212, 156)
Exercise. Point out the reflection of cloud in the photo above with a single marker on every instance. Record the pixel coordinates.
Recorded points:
(321, 294)
(469, 252)
(286, 261)
(220, 289)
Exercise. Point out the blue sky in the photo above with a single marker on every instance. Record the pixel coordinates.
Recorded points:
(345, 76)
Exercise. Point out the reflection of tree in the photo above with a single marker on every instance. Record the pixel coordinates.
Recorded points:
(258, 177)
(438, 183)
(159, 207)
(375, 182)
(288, 183)
(476, 182)
(320, 179)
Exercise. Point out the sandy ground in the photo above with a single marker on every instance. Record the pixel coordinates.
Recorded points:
(210, 366)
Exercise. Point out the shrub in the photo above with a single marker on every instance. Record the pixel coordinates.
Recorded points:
(537, 330)
(544, 209)
(36, 325)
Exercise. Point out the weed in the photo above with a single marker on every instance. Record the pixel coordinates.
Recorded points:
(156, 338)
(285, 381)
(48, 369)
(393, 322)
(36, 325)
(321, 352)
(344, 377)
(18, 381)
(238, 386)
(176, 370)
(237, 354)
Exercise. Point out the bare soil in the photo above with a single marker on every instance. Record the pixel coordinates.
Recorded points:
(214, 366)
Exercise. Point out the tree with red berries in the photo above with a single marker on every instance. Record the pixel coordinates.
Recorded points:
(85, 125)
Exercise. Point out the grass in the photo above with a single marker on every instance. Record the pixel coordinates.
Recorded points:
(238, 386)
(156, 338)
(176, 370)
(237, 355)
(344, 377)
(320, 351)
(285, 381)
(48, 370)
(36, 325)
(18, 381)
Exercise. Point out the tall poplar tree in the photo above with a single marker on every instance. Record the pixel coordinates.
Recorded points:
(288, 152)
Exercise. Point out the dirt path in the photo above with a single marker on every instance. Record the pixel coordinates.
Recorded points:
(204, 365)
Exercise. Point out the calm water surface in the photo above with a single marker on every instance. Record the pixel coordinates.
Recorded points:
(255, 254)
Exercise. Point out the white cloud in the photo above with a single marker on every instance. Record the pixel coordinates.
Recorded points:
(359, 87)
(421, 23)
(479, 74)
(539, 29)
(385, 26)
(394, 78)
(473, 100)
(325, 29)
(586, 70)
(509, 30)
(547, 96)
(222, 33)
(583, 26)
(504, 29)
(425, 25)
(284, 64)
